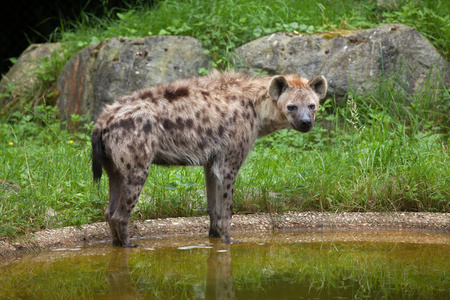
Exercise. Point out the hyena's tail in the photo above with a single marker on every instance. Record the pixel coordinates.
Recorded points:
(97, 154)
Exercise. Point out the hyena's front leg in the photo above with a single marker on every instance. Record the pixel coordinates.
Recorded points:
(220, 180)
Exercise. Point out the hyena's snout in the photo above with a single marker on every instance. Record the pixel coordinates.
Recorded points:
(304, 122)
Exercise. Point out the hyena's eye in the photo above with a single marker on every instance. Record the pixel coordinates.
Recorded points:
(312, 107)
(291, 107)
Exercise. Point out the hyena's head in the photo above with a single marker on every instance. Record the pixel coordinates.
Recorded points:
(298, 98)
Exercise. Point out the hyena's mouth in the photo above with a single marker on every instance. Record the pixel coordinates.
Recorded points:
(300, 128)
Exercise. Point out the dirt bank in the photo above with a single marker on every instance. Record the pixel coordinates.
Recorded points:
(96, 232)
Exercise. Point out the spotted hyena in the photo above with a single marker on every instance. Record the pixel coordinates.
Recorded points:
(210, 121)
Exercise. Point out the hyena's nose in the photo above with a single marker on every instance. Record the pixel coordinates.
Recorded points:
(305, 121)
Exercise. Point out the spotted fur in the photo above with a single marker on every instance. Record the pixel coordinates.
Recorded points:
(210, 121)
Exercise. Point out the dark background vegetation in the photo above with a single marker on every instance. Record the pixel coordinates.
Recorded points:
(25, 22)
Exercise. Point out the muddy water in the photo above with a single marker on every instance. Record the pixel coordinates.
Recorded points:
(293, 265)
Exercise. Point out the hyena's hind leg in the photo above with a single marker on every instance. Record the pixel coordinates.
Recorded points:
(125, 186)
(211, 194)
(114, 196)
(130, 190)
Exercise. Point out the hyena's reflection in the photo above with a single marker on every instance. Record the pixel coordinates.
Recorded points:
(118, 276)
(219, 276)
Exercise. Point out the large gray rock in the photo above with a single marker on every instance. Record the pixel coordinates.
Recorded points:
(98, 74)
(349, 60)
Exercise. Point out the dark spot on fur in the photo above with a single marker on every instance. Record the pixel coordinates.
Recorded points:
(199, 130)
(127, 124)
(229, 98)
(232, 191)
(128, 166)
(139, 120)
(147, 127)
(129, 201)
(172, 95)
(221, 131)
(205, 119)
(228, 186)
(146, 94)
(197, 114)
(235, 114)
(113, 126)
(168, 125)
(189, 123)
(121, 159)
(225, 195)
(180, 123)
(131, 148)
(209, 132)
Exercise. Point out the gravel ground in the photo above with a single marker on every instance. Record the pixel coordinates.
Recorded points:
(290, 221)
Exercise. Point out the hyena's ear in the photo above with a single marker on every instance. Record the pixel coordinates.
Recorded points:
(319, 85)
(277, 86)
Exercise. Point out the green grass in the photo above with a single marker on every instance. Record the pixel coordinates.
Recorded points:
(366, 156)
(384, 151)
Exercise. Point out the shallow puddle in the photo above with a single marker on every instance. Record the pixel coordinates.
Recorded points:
(293, 265)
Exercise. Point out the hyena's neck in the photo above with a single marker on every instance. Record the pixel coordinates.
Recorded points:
(270, 119)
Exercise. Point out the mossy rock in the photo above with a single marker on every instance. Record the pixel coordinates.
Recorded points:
(19, 85)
